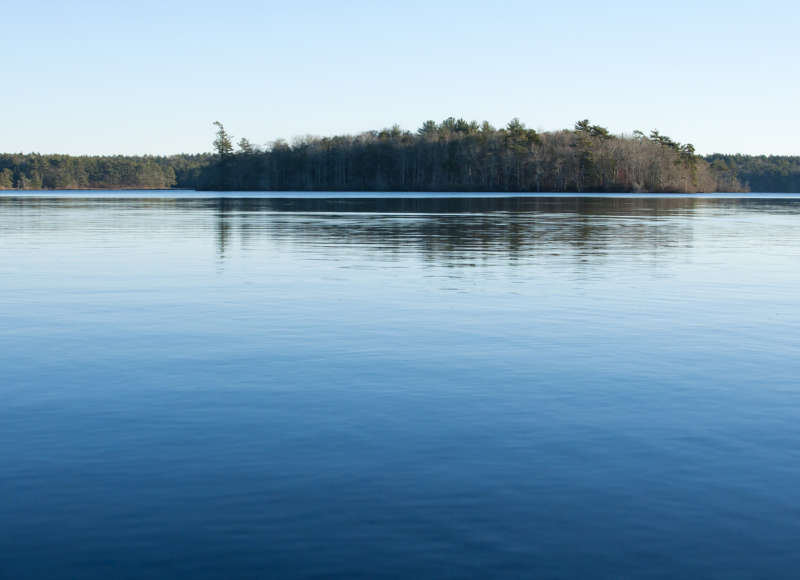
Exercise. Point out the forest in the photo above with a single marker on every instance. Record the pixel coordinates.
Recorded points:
(36, 171)
(769, 173)
(459, 155)
(452, 155)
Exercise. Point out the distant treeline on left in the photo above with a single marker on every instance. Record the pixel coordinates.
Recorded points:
(35, 171)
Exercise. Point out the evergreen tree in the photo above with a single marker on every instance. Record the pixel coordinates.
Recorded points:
(223, 144)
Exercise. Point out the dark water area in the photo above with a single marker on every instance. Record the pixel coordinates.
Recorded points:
(390, 387)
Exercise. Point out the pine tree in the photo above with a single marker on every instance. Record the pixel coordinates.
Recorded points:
(223, 144)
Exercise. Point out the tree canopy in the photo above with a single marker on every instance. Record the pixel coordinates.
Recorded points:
(460, 155)
(452, 155)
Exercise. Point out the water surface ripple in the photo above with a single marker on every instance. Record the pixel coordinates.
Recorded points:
(386, 387)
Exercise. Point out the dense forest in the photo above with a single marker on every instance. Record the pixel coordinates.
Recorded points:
(35, 171)
(771, 173)
(454, 155)
(457, 155)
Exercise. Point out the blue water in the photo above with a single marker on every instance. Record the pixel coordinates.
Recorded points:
(449, 387)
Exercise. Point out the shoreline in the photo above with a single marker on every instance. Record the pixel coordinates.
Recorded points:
(152, 193)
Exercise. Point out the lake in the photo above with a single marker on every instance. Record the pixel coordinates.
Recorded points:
(377, 386)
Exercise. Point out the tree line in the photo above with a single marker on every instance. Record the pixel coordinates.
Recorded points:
(452, 155)
(768, 173)
(460, 155)
(36, 171)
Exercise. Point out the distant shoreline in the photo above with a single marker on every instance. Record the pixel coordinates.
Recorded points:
(452, 156)
(175, 193)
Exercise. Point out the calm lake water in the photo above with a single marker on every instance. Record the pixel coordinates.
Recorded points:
(469, 387)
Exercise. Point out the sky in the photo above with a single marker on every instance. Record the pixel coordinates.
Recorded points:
(100, 77)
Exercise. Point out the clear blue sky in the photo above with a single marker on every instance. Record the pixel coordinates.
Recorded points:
(150, 77)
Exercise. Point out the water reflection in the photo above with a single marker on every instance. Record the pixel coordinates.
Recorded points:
(421, 387)
(453, 229)
(441, 230)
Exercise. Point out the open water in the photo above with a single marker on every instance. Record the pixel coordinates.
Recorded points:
(362, 386)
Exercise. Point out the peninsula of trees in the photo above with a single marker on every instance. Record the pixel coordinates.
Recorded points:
(453, 155)
(457, 155)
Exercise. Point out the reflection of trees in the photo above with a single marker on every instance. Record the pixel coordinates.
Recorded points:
(464, 229)
(440, 229)
(222, 224)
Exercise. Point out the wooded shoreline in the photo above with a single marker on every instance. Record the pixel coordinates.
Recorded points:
(451, 156)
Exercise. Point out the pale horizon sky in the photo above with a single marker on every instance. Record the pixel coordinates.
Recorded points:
(91, 77)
